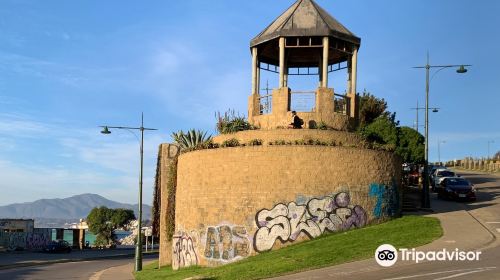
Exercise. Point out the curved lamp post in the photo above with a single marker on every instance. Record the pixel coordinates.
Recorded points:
(138, 244)
(426, 203)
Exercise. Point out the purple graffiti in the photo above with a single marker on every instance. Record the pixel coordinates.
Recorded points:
(287, 222)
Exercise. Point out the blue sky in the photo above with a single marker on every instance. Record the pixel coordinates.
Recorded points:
(68, 66)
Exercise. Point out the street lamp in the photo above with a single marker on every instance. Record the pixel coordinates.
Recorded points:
(490, 142)
(434, 110)
(138, 244)
(426, 203)
(439, 150)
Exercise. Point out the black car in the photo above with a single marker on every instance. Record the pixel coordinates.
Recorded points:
(457, 189)
(58, 246)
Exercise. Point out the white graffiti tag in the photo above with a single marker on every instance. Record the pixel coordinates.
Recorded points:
(183, 251)
(287, 222)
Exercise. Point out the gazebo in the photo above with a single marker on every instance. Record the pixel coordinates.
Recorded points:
(304, 40)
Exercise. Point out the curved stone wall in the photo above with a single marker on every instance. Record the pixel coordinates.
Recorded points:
(341, 137)
(235, 202)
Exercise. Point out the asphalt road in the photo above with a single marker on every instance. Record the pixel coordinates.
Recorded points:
(83, 270)
(486, 210)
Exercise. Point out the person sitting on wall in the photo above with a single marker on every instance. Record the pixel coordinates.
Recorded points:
(296, 122)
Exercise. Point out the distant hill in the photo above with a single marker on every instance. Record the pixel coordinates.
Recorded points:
(59, 211)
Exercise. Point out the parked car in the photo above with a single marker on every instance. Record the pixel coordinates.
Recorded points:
(456, 188)
(431, 169)
(432, 175)
(440, 175)
(58, 246)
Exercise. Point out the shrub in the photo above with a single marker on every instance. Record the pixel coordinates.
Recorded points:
(322, 125)
(191, 140)
(233, 142)
(255, 142)
(230, 122)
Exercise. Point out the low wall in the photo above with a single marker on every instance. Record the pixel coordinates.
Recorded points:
(341, 137)
(33, 241)
(235, 202)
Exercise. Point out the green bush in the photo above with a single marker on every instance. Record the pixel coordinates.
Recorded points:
(191, 140)
(255, 142)
(233, 142)
(230, 122)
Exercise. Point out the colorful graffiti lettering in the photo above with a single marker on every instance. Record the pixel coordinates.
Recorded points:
(183, 251)
(287, 222)
(225, 243)
(387, 204)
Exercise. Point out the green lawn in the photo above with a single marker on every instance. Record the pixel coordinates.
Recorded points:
(327, 250)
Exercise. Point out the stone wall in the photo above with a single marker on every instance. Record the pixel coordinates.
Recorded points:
(235, 202)
(168, 157)
(281, 116)
(341, 137)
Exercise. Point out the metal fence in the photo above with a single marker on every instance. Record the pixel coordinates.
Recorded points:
(266, 104)
(303, 101)
(341, 103)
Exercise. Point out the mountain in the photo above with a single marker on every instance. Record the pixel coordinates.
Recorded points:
(71, 209)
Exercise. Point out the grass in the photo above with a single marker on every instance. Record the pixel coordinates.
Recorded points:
(327, 250)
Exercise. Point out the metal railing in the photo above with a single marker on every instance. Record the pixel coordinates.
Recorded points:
(341, 103)
(303, 101)
(266, 104)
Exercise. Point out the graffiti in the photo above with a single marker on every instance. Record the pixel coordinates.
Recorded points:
(36, 240)
(17, 240)
(387, 204)
(225, 243)
(183, 251)
(313, 218)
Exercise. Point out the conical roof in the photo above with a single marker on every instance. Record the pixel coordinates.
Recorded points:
(305, 18)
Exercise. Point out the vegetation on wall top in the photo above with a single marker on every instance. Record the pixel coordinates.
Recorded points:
(231, 122)
(192, 139)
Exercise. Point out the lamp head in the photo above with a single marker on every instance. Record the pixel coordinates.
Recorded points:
(105, 130)
(461, 69)
(435, 110)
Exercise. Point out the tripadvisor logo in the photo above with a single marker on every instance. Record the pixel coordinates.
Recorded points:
(387, 255)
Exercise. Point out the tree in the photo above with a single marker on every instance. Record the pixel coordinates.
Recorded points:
(370, 108)
(383, 130)
(497, 155)
(103, 221)
(407, 142)
(411, 145)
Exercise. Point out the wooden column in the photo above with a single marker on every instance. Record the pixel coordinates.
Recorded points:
(324, 70)
(282, 62)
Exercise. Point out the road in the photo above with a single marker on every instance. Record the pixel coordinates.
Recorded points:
(484, 215)
(83, 270)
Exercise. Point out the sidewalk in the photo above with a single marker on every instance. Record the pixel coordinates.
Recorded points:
(122, 272)
(458, 227)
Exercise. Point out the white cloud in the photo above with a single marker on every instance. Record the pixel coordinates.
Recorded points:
(85, 162)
